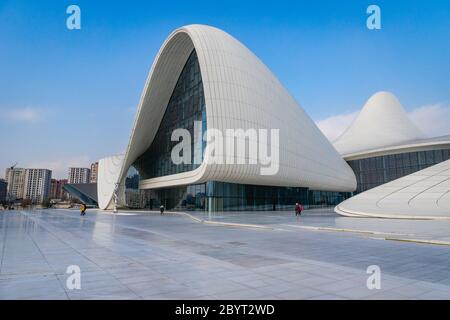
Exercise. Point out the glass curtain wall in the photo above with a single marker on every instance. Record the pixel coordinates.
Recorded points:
(222, 196)
(375, 171)
(185, 107)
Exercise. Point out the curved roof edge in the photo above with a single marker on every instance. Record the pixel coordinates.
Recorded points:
(411, 146)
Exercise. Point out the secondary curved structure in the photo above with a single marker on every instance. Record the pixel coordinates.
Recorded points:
(381, 122)
(382, 144)
(422, 195)
(204, 80)
(400, 173)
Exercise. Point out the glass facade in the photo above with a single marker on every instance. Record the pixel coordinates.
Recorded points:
(375, 171)
(186, 105)
(222, 196)
(135, 198)
(238, 197)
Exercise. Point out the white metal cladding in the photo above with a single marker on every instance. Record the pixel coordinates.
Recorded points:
(108, 175)
(240, 93)
(382, 122)
(424, 194)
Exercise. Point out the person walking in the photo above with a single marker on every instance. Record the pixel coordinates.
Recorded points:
(298, 209)
(161, 209)
(83, 209)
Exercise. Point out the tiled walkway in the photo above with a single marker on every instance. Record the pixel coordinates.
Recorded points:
(148, 256)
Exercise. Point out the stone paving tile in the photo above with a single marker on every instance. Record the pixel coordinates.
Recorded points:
(276, 289)
(160, 288)
(341, 285)
(434, 295)
(313, 281)
(36, 287)
(300, 293)
(327, 297)
(247, 294)
(358, 292)
(102, 295)
(254, 284)
(410, 291)
(387, 295)
(133, 279)
(176, 295)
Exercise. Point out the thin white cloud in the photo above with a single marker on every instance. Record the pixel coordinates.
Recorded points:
(60, 167)
(433, 120)
(27, 114)
(334, 126)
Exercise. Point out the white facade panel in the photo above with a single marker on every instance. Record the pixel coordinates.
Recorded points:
(108, 175)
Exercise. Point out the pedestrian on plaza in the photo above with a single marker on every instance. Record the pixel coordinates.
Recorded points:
(298, 209)
(83, 209)
(161, 209)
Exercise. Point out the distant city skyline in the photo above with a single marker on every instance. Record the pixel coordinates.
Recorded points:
(28, 183)
(69, 97)
(79, 175)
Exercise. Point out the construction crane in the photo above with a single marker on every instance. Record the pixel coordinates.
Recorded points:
(14, 165)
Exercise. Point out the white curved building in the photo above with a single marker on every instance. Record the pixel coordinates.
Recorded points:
(203, 80)
(400, 173)
(422, 195)
(382, 144)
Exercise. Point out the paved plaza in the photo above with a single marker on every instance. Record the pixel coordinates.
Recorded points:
(271, 255)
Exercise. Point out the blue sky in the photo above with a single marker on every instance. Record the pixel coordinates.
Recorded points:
(69, 97)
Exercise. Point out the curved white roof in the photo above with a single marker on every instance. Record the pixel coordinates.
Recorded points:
(422, 195)
(240, 93)
(382, 122)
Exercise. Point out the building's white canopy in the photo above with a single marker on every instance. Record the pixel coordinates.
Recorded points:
(382, 122)
(422, 195)
(240, 93)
